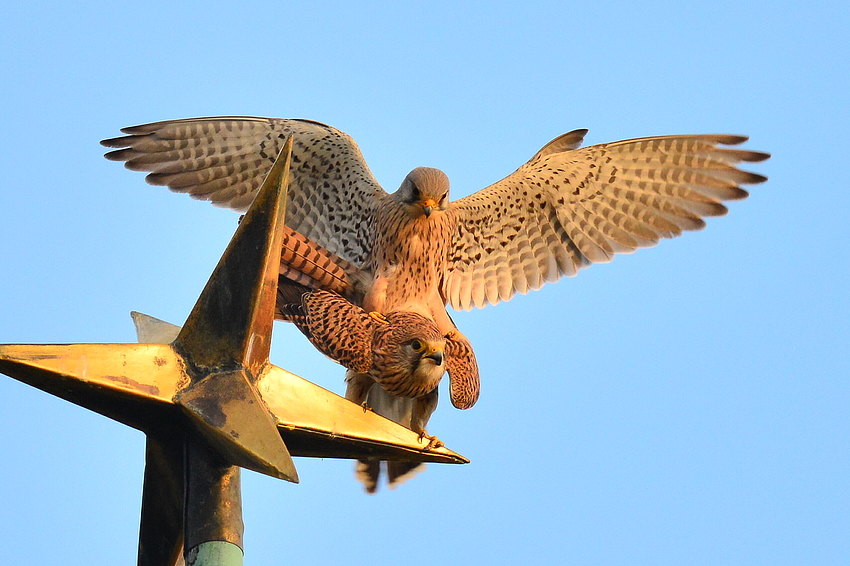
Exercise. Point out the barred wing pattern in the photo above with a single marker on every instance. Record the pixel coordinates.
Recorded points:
(464, 382)
(307, 267)
(307, 264)
(337, 328)
(332, 193)
(568, 208)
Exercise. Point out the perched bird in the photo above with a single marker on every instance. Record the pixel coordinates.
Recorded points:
(305, 266)
(395, 363)
(403, 352)
(564, 209)
(329, 316)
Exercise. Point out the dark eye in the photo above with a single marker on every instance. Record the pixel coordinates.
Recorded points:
(415, 192)
(417, 346)
(443, 198)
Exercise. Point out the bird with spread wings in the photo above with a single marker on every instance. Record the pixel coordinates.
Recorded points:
(565, 209)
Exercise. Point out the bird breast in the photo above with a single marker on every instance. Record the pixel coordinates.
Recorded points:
(405, 376)
(412, 254)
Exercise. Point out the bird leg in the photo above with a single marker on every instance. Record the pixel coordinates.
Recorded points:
(357, 388)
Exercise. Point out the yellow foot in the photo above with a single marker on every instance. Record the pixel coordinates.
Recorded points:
(433, 441)
(365, 406)
(456, 335)
(378, 317)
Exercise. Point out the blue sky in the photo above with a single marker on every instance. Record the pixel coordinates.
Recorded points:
(686, 404)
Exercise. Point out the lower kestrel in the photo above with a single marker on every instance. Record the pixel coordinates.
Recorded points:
(340, 329)
(403, 352)
(395, 363)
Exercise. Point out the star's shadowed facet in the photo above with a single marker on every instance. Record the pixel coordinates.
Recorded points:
(215, 381)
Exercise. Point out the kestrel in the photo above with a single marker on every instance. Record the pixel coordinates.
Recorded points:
(306, 266)
(340, 329)
(403, 352)
(395, 363)
(563, 210)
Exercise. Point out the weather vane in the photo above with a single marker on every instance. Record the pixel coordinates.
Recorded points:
(210, 401)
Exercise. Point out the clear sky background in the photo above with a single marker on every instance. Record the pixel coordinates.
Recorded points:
(684, 405)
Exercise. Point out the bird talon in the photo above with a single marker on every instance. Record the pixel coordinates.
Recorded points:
(378, 317)
(433, 441)
(451, 334)
(365, 407)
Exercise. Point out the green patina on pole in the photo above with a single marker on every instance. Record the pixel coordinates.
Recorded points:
(215, 553)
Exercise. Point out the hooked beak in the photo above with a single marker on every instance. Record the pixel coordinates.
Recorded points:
(435, 356)
(427, 206)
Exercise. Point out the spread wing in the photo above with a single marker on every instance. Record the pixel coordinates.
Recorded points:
(568, 208)
(225, 159)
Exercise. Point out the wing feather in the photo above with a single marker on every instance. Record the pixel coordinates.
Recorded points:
(464, 380)
(568, 208)
(224, 159)
(337, 328)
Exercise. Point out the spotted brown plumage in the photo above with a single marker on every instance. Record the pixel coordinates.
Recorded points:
(464, 386)
(564, 209)
(332, 193)
(403, 352)
(304, 262)
(307, 266)
(567, 209)
(395, 363)
(340, 329)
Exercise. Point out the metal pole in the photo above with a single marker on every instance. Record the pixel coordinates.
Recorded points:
(213, 524)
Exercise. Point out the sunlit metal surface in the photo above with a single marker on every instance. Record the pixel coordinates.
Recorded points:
(210, 400)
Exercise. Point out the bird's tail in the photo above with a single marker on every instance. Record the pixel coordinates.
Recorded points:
(306, 263)
(411, 413)
(400, 410)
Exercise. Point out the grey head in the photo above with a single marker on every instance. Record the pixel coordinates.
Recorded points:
(424, 189)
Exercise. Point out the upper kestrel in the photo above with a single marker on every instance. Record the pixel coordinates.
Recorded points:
(564, 209)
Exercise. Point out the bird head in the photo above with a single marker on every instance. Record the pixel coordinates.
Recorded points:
(426, 359)
(409, 356)
(426, 353)
(424, 191)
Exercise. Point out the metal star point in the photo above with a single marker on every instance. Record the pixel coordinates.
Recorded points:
(215, 381)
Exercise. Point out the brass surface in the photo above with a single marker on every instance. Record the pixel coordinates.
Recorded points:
(140, 384)
(231, 322)
(136, 384)
(229, 414)
(210, 400)
(213, 497)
